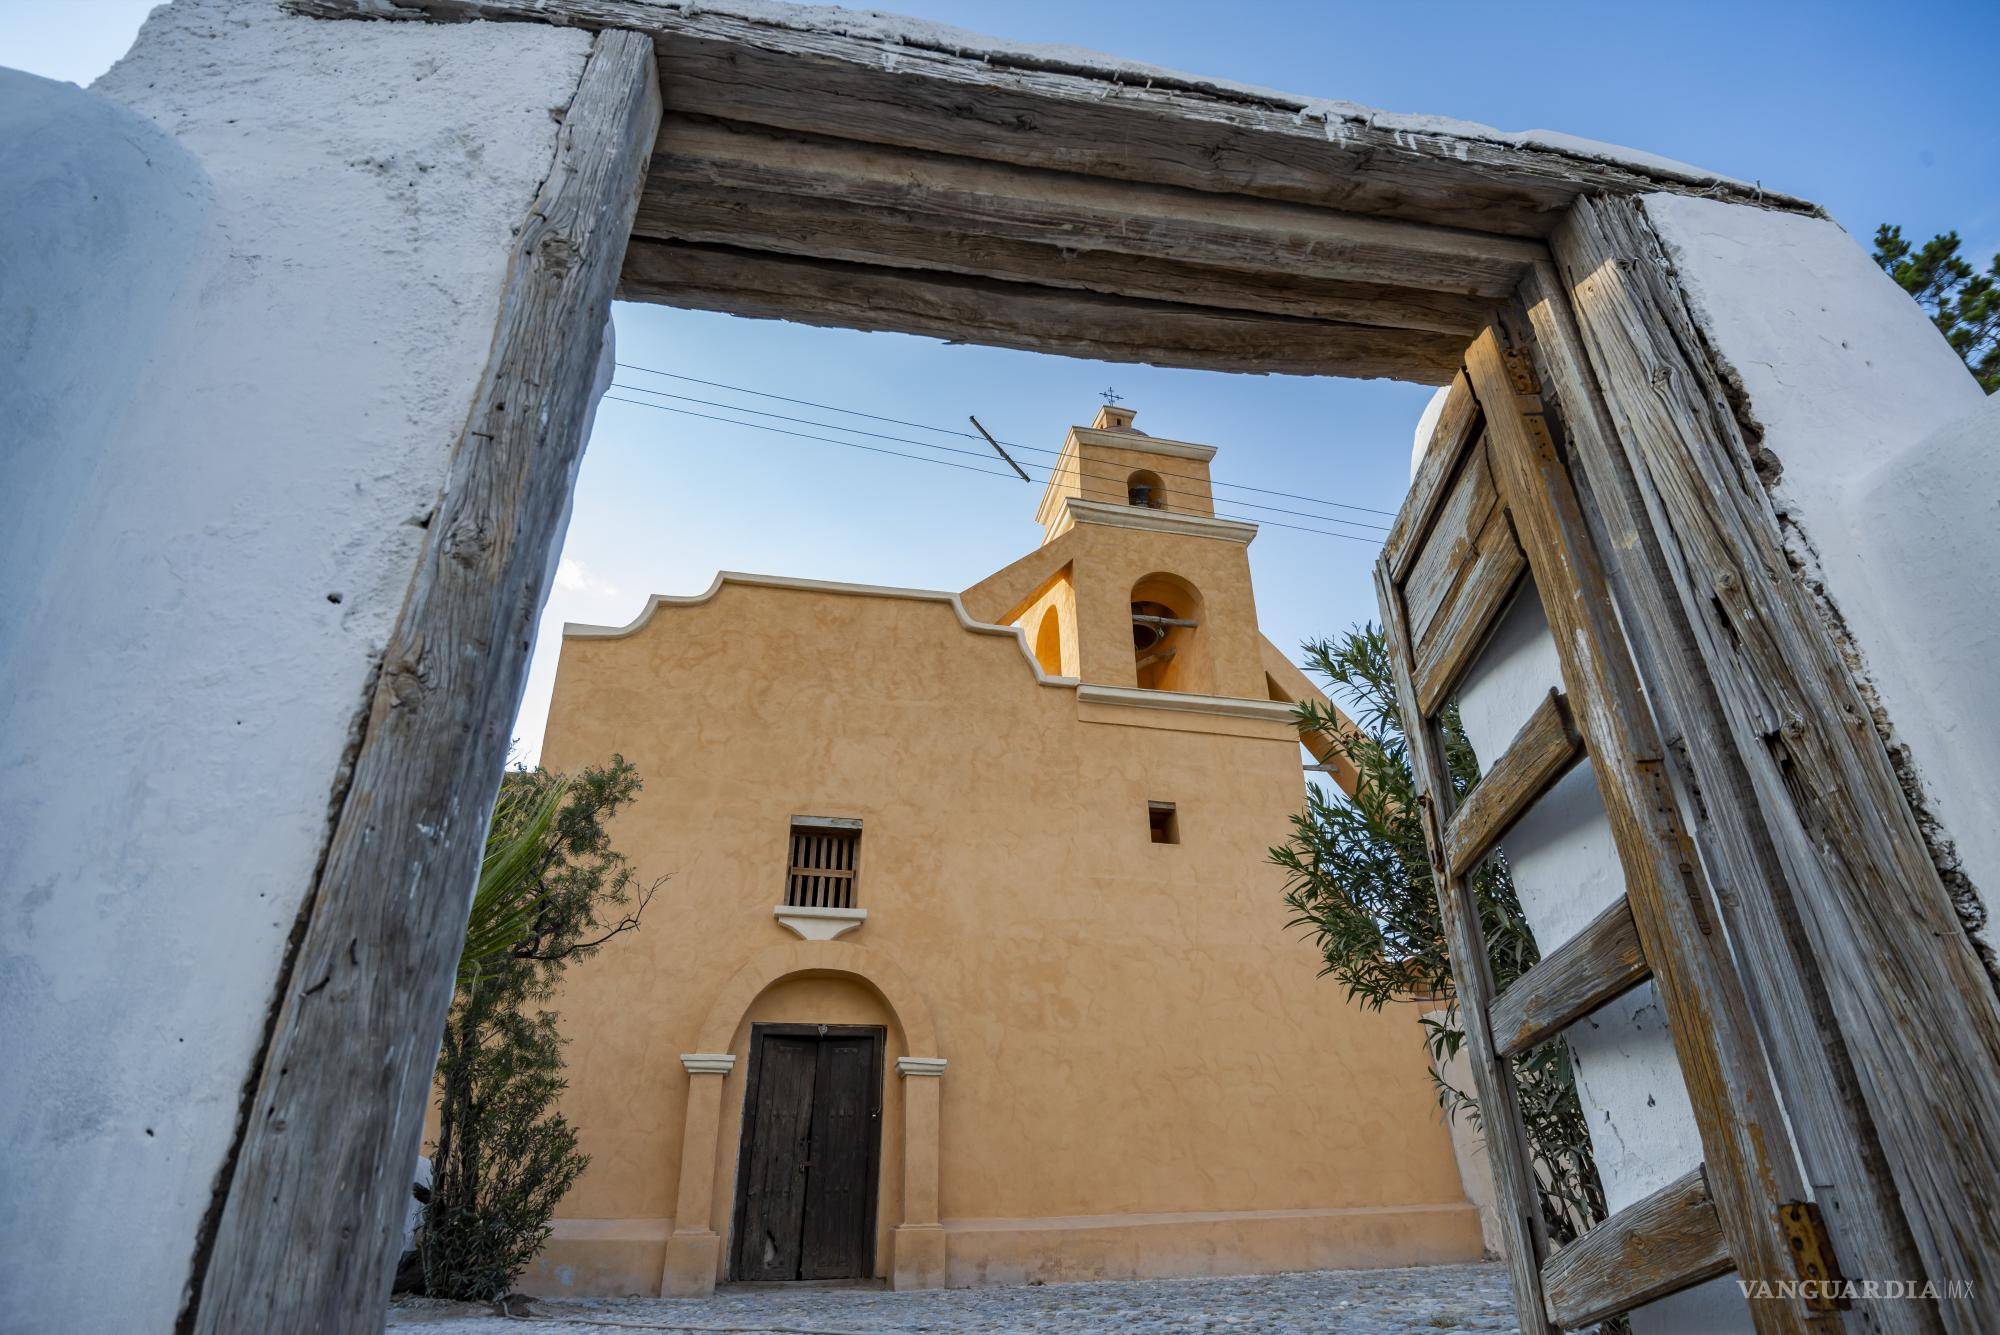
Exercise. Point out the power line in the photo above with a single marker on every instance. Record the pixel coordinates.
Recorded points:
(947, 463)
(949, 431)
(1076, 466)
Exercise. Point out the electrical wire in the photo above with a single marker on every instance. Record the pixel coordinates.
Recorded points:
(1076, 467)
(950, 431)
(947, 463)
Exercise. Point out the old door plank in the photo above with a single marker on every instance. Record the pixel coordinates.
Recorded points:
(777, 1158)
(1475, 604)
(1857, 898)
(1448, 548)
(1599, 963)
(840, 1189)
(312, 1206)
(1541, 752)
(1457, 428)
(1660, 1245)
(1023, 315)
(1523, 1233)
(1749, 1164)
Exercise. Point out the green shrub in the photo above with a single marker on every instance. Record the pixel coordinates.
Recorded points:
(1358, 879)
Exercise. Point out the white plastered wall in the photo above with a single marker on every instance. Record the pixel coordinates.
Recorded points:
(250, 284)
(1889, 489)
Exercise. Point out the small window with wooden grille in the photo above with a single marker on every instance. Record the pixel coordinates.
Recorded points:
(825, 851)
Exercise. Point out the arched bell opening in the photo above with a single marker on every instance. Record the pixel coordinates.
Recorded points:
(1169, 651)
(1145, 490)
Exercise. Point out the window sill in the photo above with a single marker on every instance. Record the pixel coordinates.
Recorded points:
(819, 924)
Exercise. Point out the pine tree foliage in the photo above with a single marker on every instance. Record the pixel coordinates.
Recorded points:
(1962, 302)
(552, 891)
(1358, 879)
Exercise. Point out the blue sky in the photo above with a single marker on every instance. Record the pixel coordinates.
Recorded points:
(1881, 113)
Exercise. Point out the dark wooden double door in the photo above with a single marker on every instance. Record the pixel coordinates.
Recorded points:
(812, 1144)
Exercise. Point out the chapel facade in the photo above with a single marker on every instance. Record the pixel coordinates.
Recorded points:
(973, 969)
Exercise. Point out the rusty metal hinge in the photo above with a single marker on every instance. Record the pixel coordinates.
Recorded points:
(1812, 1257)
(1433, 836)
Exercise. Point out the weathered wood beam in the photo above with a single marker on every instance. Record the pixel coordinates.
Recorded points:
(1456, 429)
(1450, 542)
(1021, 315)
(827, 71)
(314, 1198)
(1485, 584)
(1749, 1165)
(1599, 963)
(1782, 726)
(1667, 1242)
(1523, 1233)
(819, 228)
(1541, 752)
(1837, 1143)
(828, 197)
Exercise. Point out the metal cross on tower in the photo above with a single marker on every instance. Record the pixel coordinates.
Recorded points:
(1112, 397)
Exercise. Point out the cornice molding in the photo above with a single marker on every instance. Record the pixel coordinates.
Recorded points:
(1143, 444)
(708, 1063)
(1159, 521)
(908, 1066)
(1224, 706)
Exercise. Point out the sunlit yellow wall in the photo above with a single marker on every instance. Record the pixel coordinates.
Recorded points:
(1144, 1075)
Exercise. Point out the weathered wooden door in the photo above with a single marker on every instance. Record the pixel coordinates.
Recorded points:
(812, 1142)
(1492, 516)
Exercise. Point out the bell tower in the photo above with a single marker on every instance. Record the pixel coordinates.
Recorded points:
(1138, 584)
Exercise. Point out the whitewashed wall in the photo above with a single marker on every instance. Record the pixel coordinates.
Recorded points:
(1889, 487)
(250, 281)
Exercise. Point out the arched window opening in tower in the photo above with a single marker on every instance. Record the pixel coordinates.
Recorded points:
(1169, 653)
(1145, 489)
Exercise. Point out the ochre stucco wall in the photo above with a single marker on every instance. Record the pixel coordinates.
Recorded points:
(1145, 1076)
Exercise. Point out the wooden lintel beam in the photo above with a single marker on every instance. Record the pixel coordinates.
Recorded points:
(816, 227)
(1021, 315)
(834, 72)
(730, 184)
(1667, 1242)
(1599, 963)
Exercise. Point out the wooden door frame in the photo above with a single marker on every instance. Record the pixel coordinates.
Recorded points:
(1867, 945)
(1857, 963)
(306, 1220)
(745, 1148)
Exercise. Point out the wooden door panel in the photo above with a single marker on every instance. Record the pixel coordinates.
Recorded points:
(839, 1221)
(777, 1151)
(1498, 474)
(811, 1153)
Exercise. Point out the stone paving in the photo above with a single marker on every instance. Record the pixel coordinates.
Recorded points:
(1327, 1302)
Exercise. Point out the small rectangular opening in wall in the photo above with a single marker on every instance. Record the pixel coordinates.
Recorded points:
(1165, 822)
(826, 852)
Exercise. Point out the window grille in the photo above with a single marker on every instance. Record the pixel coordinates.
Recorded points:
(824, 854)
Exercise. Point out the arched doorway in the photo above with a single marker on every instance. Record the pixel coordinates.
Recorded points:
(813, 1034)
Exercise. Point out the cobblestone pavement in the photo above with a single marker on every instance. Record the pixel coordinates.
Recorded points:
(1327, 1302)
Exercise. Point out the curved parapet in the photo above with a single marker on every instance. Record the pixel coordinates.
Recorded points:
(580, 631)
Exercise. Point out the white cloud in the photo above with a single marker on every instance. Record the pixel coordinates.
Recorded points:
(573, 576)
